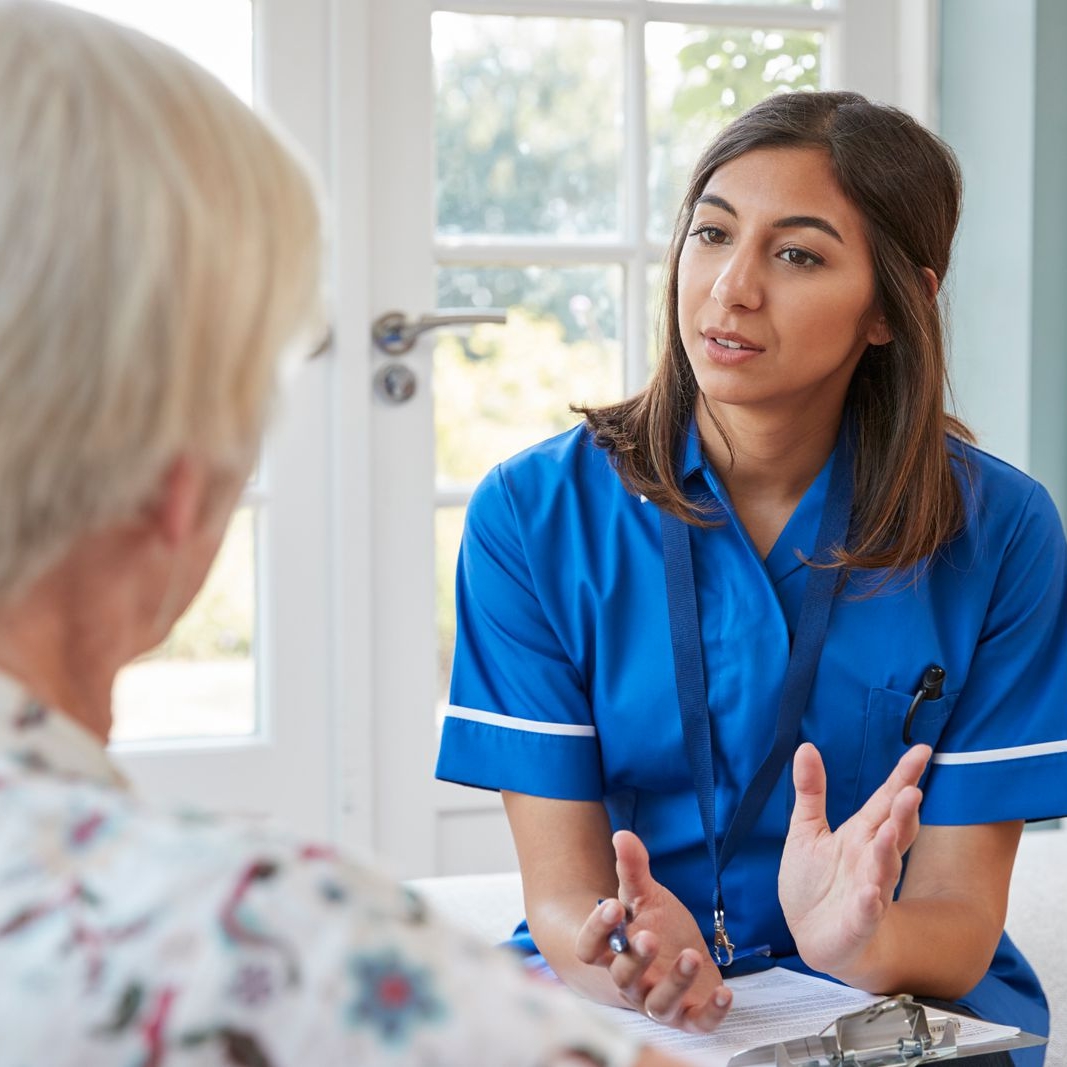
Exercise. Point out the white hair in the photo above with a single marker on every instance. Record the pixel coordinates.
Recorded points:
(159, 251)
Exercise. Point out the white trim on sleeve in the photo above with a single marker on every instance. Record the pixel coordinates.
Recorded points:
(510, 722)
(998, 755)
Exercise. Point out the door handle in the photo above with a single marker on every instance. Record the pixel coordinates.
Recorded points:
(394, 333)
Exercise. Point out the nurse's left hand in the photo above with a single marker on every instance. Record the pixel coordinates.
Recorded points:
(836, 887)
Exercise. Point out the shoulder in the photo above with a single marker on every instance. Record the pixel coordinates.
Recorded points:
(562, 475)
(558, 460)
(1012, 544)
(1001, 501)
(987, 471)
(190, 865)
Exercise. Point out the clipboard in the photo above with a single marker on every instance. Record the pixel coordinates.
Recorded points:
(895, 1032)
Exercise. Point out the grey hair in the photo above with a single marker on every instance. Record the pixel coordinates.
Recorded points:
(159, 254)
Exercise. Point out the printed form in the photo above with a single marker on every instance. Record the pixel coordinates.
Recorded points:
(772, 1006)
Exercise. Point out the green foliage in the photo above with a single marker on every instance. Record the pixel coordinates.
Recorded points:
(528, 124)
(586, 302)
(509, 387)
(699, 79)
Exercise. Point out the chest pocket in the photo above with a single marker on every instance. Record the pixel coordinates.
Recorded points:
(883, 742)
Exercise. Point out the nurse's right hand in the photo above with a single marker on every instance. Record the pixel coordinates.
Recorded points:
(666, 972)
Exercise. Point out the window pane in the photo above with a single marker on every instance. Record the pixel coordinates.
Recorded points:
(528, 125)
(201, 681)
(216, 33)
(499, 389)
(449, 530)
(701, 77)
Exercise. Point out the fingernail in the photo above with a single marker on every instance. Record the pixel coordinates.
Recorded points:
(722, 998)
(611, 912)
(687, 966)
(640, 945)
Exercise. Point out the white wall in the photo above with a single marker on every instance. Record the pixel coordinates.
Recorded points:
(1002, 111)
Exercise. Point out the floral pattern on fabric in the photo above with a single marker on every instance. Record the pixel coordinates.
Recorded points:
(393, 996)
(134, 938)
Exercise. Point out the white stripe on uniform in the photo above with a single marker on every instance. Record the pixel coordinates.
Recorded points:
(998, 755)
(510, 722)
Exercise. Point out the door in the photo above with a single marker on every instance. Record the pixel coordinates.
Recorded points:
(528, 156)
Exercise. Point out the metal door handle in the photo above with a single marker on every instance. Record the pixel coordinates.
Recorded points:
(394, 333)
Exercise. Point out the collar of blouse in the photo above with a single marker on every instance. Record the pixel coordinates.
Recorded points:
(40, 739)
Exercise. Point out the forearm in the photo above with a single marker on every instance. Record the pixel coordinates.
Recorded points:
(934, 947)
(554, 925)
(568, 864)
(570, 859)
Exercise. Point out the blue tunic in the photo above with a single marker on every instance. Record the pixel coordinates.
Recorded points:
(563, 680)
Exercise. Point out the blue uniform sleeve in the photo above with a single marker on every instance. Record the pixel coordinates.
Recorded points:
(519, 717)
(1003, 754)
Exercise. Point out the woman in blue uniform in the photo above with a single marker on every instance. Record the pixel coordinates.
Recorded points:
(737, 646)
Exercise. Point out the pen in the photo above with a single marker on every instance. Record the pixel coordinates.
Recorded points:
(617, 939)
(929, 689)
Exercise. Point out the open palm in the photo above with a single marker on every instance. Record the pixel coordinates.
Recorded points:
(836, 886)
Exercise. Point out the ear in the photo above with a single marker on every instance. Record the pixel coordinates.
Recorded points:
(178, 508)
(930, 283)
(878, 333)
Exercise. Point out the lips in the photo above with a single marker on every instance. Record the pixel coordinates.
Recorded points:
(728, 348)
(729, 339)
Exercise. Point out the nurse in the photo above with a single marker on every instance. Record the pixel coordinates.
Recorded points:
(737, 646)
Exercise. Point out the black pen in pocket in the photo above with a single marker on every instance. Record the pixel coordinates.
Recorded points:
(930, 687)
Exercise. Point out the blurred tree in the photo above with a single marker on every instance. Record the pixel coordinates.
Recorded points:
(529, 125)
(701, 77)
(510, 386)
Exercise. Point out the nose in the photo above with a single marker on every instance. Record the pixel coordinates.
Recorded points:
(739, 283)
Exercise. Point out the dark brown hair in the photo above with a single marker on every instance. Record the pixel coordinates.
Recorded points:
(906, 184)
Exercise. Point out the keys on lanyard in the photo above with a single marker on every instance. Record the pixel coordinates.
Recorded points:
(722, 948)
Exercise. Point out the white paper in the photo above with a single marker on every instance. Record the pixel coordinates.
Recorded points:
(771, 1006)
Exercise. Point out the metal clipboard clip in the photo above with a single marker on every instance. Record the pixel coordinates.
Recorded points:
(895, 1031)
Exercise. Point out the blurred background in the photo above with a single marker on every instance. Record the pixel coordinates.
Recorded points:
(498, 157)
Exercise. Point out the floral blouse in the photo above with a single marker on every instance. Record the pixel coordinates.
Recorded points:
(138, 939)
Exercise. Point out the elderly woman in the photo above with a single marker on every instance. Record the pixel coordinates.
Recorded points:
(159, 251)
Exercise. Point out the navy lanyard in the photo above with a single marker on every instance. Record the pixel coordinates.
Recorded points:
(800, 673)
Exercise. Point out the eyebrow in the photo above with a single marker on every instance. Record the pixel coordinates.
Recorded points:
(790, 222)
